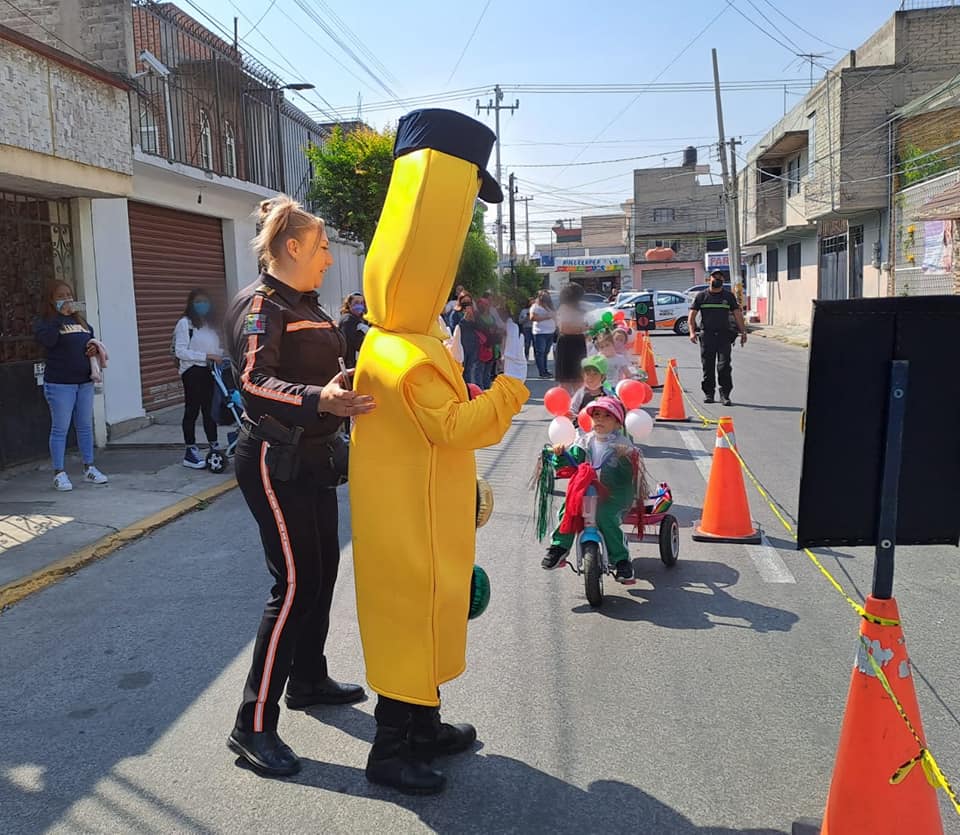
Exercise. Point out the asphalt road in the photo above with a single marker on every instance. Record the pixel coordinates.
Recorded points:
(705, 699)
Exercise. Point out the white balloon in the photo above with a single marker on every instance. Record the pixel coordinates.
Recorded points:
(562, 432)
(639, 424)
(620, 387)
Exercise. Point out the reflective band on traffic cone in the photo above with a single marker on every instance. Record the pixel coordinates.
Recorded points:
(649, 363)
(875, 741)
(726, 511)
(671, 404)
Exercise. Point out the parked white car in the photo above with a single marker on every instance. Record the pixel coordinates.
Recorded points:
(672, 309)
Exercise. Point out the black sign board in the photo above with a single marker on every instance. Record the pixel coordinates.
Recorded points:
(883, 392)
(645, 315)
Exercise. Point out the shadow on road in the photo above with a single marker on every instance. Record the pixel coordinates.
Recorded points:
(500, 794)
(769, 408)
(691, 595)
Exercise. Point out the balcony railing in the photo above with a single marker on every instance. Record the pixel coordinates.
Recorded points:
(770, 206)
(215, 109)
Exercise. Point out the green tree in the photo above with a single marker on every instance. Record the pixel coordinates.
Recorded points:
(478, 263)
(351, 176)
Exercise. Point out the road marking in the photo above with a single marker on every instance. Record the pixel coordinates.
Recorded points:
(766, 558)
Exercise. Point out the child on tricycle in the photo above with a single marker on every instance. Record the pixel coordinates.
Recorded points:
(604, 471)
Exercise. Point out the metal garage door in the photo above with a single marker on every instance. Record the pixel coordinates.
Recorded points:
(679, 279)
(173, 252)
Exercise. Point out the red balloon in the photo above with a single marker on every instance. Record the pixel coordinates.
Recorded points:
(584, 421)
(557, 401)
(475, 390)
(631, 394)
(647, 393)
(619, 316)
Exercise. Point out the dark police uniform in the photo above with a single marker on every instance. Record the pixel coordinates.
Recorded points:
(716, 339)
(286, 349)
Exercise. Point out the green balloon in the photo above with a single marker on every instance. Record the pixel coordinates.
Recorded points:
(479, 592)
(608, 317)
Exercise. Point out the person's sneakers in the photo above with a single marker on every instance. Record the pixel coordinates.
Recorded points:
(709, 399)
(624, 571)
(193, 459)
(725, 399)
(92, 475)
(61, 482)
(554, 557)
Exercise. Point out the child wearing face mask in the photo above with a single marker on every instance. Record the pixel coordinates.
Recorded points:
(196, 343)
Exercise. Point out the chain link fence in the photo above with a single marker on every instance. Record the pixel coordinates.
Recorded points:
(925, 250)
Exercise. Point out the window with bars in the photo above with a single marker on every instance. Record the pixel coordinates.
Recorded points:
(794, 254)
(664, 215)
(149, 140)
(206, 142)
(229, 150)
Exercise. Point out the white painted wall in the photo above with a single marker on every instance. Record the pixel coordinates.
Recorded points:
(345, 276)
(117, 310)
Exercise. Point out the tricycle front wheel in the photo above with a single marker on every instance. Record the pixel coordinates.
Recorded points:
(592, 573)
(669, 540)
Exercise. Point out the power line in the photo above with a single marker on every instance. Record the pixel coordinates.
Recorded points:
(261, 18)
(655, 79)
(599, 161)
(466, 46)
(805, 31)
(343, 27)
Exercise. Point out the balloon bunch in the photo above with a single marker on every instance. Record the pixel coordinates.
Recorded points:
(608, 323)
(632, 393)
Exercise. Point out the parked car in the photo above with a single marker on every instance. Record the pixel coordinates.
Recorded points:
(671, 308)
(691, 292)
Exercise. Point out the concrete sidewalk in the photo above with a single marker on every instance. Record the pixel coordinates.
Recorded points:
(798, 335)
(45, 534)
(164, 432)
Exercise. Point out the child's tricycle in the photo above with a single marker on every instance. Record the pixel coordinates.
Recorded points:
(649, 518)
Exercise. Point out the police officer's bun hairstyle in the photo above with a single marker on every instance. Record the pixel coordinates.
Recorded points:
(280, 219)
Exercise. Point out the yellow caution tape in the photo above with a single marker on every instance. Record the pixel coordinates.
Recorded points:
(925, 758)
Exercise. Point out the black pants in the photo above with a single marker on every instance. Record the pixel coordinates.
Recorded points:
(298, 528)
(198, 397)
(715, 350)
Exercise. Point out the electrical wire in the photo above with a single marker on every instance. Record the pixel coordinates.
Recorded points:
(352, 36)
(805, 31)
(466, 46)
(260, 19)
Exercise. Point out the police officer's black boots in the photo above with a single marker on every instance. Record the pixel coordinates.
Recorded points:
(266, 753)
(392, 761)
(429, 737)
(301, 696)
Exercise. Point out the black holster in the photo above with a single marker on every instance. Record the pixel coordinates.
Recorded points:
(283, 447)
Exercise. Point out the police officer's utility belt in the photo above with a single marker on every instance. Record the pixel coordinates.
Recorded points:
(325, 458)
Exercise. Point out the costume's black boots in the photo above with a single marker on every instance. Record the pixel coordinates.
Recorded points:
(429, 737)
(392, 761)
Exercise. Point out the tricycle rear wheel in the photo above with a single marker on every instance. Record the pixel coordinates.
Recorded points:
(669, 540)
(592, 574)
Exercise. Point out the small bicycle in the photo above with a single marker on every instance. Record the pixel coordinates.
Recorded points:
(591, 560)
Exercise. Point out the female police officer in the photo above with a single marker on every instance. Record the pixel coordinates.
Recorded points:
(289, 459)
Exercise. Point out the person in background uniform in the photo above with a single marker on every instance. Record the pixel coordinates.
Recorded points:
(288, 353)
(353, 325)
(715, 306)
(67, 380)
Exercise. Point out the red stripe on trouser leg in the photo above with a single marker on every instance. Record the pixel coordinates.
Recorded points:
(287, 598)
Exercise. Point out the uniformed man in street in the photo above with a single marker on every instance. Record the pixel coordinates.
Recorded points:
(722, 323)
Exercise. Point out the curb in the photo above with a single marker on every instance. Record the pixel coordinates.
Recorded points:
(17, 590)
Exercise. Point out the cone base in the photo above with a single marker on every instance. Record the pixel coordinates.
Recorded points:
(672, 420)
(700, 535)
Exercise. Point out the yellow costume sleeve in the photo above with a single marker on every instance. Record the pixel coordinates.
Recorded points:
(447, 422)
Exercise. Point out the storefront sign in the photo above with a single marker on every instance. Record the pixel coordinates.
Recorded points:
(719, 261)
(593, 264)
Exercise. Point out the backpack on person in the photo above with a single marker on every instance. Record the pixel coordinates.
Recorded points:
(173, 345)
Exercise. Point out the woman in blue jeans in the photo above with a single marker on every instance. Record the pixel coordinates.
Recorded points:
(67, 383)
(464, 317)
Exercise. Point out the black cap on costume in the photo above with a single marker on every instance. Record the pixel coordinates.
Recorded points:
(450, 133)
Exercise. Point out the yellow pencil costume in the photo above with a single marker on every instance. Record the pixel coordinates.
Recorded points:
(413, 489)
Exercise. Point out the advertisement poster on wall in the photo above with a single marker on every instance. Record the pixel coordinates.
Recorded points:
(937, 247)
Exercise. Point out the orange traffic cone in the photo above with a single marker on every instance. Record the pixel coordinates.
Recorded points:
(671, 404)
(648, 362)
(726, 512)
(875, 742)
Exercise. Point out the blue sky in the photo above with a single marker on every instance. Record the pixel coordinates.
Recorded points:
(417, 45)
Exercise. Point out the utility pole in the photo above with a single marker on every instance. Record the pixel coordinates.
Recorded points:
(513, 231)
(495, 105)
(735, 214)
(526, 220)
(733, 237)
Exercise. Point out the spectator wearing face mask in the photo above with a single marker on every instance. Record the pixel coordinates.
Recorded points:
(196, 344)
(353, 325)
